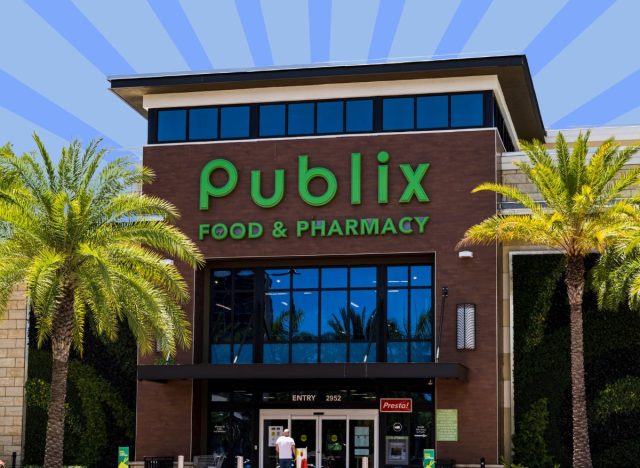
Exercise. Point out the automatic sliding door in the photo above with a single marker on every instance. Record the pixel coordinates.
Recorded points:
(304, 433)
(334, 443)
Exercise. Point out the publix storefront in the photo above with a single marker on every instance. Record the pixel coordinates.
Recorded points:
(328, 202)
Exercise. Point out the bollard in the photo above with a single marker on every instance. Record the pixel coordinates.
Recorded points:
(239, 461)
(13, 459)
(365, 462)
(180, 461)
(482, 463)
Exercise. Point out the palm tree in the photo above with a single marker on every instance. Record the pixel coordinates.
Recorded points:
(87, 245)
(581, 212)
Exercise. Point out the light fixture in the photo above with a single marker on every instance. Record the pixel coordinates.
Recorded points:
(465, 254)
(465, 326)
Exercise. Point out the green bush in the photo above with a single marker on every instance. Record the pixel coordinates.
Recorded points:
(530, 437)
(541, 367)
(100, 407)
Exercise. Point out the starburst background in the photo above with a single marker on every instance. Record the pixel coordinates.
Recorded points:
(55, 55)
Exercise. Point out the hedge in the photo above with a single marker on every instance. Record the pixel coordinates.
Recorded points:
(541, 370)
(100, 408)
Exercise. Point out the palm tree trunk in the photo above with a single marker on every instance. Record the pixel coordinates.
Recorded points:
(575, 287)
(61, 336)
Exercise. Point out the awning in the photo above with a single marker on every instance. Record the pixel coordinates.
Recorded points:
(377, 370)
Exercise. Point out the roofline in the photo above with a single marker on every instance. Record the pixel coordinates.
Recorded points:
(324, 70)
(123, 86)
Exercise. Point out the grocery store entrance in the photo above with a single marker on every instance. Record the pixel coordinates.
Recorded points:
(343, 438)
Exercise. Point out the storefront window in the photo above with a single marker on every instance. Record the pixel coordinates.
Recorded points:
(231, 327)
(328, 314)
(230, 435)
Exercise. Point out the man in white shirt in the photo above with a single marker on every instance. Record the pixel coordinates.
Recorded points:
(286, 449)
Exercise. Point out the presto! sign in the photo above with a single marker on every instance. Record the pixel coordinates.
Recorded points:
(211, 195)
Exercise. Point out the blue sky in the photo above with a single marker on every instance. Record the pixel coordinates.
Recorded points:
(56, 54)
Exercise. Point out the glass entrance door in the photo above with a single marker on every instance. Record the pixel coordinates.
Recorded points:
(333, 446)
(332, 439)
(305, 433)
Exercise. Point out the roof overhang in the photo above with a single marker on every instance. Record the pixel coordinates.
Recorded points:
(261, 372)
(512, 72)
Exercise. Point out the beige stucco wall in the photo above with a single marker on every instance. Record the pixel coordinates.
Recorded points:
(13, 328)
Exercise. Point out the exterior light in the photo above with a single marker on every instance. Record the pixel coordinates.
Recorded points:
(465, 326)
(465, 254)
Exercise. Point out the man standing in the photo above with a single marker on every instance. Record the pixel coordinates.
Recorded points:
(286, 449)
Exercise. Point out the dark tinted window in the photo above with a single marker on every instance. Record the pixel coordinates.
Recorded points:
(272, 120)
(234, 122)
(203, 124)
(301, 119)
(466, 110)
(172, 125)
(397, 113)
(331, 117)
(433, 112)
(360, 115)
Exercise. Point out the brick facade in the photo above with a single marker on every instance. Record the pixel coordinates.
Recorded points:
(13, 348)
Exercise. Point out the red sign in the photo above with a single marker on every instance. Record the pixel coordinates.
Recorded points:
(396, 405)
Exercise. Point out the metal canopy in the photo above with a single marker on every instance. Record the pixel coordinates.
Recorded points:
(378, 370)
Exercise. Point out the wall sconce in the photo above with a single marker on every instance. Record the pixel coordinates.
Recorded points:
(465, 254)
(465, 326)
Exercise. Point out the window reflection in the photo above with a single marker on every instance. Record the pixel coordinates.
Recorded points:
(334, 278)
(363, 277)
(327, 314)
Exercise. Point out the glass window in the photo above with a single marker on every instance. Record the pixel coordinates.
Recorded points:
(333, 327)
(234, 122)
(398, 276)
(421, 314)
(421, 275)
(230, 433)
(328, 314)
(433, 112)
(363, 277)
(304, 317)
(397, 113)
(305, 278)
(334, 278)
(360, 115)
(301, 119)
(272, 119)
(330, 117)
(277, 279)
(467, 110)
(172, 125)
(203, 124)
(397, 314)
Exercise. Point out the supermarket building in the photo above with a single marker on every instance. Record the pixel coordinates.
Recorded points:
(328, 202)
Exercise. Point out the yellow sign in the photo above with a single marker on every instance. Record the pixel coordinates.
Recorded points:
(303, 438)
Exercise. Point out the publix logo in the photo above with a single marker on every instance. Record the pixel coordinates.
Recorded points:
(413, 190)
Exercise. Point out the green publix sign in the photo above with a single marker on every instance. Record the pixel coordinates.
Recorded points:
(347, 227)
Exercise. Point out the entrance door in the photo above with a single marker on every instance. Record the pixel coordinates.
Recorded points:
(332, 439)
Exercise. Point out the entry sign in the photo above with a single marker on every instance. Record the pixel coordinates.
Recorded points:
(396, 405)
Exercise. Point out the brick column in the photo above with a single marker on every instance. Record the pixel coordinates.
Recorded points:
(13, 328)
